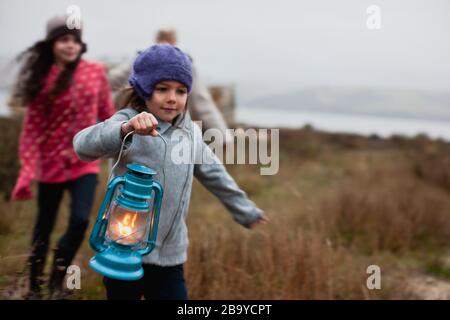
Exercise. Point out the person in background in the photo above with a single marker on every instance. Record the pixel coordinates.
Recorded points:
(200, 104)
(62, 94)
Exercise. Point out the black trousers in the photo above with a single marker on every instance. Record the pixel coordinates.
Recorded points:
(82, 191)
(158, 283)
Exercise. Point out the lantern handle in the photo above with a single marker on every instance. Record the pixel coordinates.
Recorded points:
(155, 219)
(97, 237)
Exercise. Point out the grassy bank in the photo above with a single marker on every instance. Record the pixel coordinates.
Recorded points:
(338, 204)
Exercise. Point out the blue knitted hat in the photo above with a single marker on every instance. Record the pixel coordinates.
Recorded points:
(158, 63)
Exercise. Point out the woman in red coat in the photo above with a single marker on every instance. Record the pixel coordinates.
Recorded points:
(63, 94)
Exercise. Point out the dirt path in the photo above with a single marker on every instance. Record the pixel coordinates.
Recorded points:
(429, 288)
(18, 289)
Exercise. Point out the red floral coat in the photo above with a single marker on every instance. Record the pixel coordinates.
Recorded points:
(46, 152)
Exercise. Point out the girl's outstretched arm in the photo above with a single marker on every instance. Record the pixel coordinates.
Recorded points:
(213, 175)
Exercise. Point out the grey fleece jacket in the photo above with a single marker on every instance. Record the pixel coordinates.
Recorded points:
(185, 156)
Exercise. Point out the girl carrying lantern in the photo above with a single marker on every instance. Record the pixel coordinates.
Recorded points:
(156, 112)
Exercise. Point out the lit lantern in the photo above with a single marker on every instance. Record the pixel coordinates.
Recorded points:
(127, 224)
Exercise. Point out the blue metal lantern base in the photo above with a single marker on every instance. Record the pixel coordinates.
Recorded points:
(118, 264)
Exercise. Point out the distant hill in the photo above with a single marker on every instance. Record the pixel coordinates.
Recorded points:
(373, 101)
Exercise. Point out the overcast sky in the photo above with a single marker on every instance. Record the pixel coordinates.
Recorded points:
(273, 46)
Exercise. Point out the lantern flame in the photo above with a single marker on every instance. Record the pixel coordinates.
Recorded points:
(127, 225)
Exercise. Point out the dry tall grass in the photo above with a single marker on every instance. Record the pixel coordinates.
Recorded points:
(338, 204)
(380, 212)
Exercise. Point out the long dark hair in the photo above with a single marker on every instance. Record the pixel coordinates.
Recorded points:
(37, 61)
